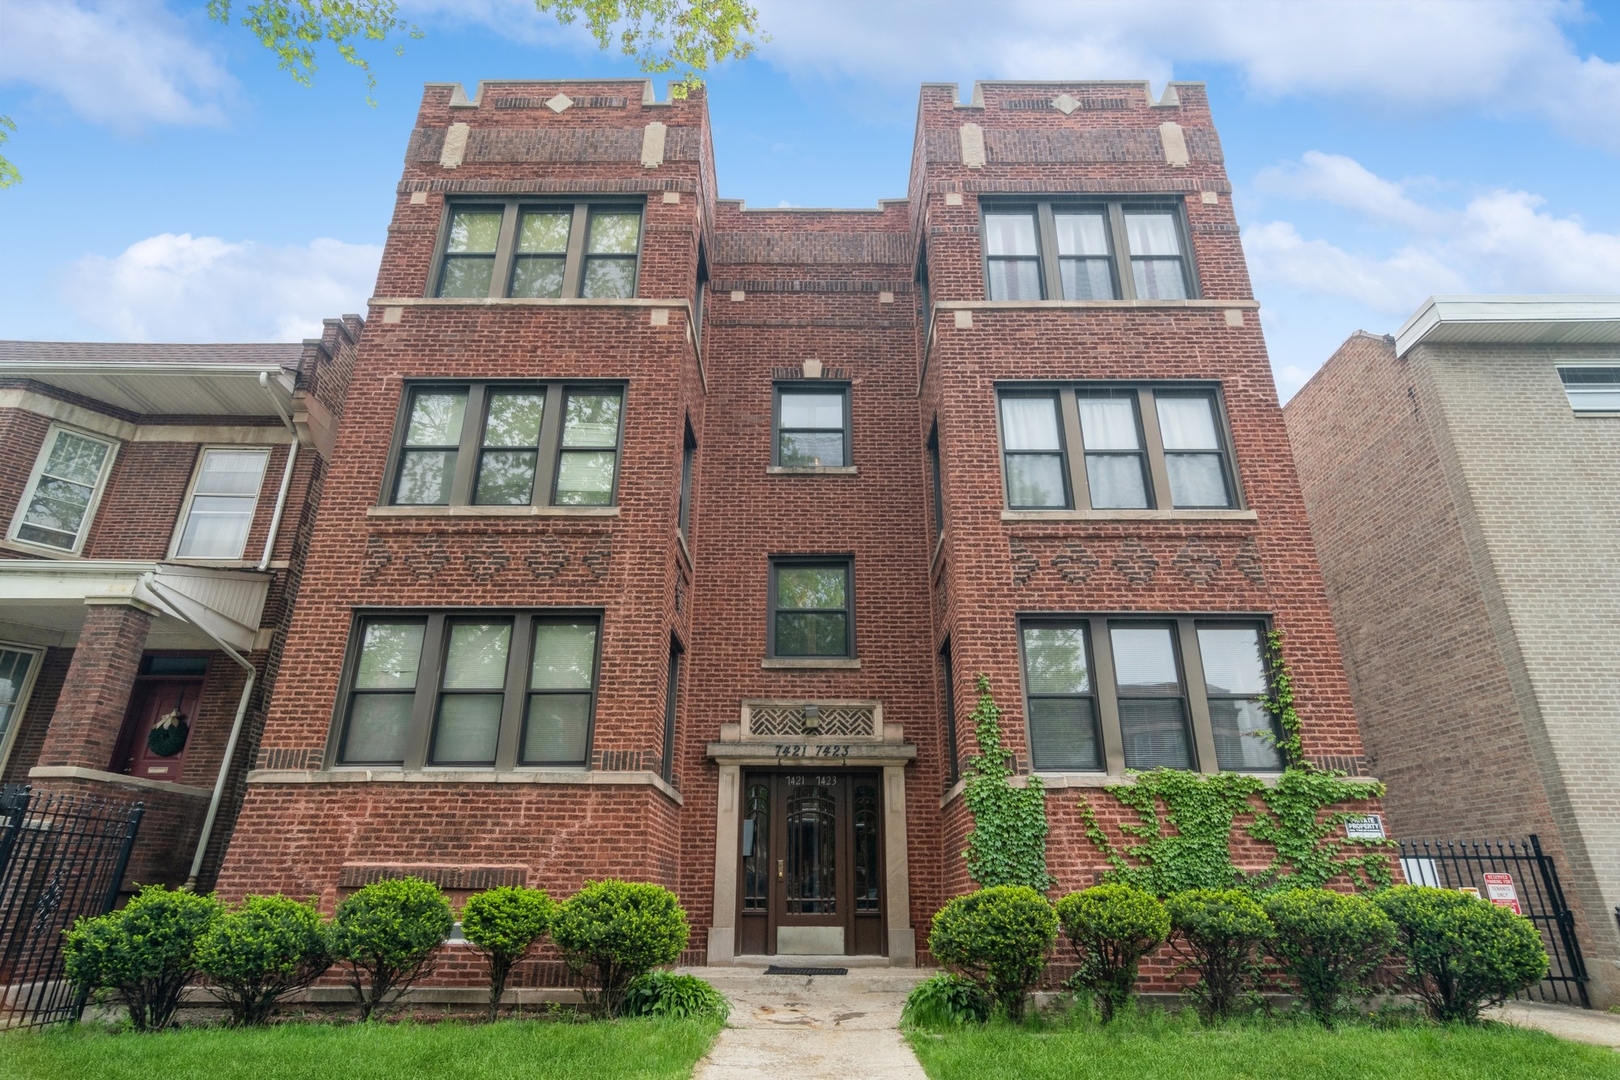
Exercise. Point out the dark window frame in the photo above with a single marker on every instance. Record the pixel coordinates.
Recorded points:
(683, 509)
(823, 386)
(428, 692)
(847, 564)
(1114, 208)
(947, 675)
(1184, 627)
(505, 255)
(1063, 402)
(672, 701)
(1159, 495)
(1094, 696)
(937, 480)
(470, 447)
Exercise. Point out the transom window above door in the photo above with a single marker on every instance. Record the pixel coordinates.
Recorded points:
(533, 249)
(60, 500)
(507, 444)
(1113, 447)
(1057, 249)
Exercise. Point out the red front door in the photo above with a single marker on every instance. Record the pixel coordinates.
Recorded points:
(162, 714)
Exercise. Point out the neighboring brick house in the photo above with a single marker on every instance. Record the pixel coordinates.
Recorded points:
(665, 538)
(157, 502)
(1463, 481)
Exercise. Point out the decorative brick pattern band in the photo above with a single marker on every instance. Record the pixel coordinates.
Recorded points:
(355, 875)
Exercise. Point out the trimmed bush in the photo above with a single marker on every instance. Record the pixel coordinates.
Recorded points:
(675, 997)
(503, 924)
(1218, 933)
(146, 950)
(1111, 927)
(946, 1000)
(612, 932)
(387, 932)
(1462, 953)
(1330, 943)
(998, 937)
(262, 951)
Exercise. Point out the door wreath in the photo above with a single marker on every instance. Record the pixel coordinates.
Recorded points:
(168, 736)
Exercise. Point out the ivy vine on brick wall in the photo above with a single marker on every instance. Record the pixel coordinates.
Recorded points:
(1008, 843)
(1201, 809)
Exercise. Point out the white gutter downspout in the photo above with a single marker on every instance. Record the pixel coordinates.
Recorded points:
(286, 473)
(150, 581)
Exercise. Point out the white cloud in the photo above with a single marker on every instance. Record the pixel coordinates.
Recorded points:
(1500, 59)
(181, 287)
(125, 65)
(1345, 182)
(1278, 254)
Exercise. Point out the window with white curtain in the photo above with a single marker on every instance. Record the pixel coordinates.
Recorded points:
(1111, 447)
(219, 510)
(1071, 249)
(60, 500)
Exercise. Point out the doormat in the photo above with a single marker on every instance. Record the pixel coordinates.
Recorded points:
(775, 970)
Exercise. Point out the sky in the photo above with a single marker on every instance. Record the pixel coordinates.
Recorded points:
(179, 187)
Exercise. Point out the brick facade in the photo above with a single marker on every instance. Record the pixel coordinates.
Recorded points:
(790, 296)
(1467, 528)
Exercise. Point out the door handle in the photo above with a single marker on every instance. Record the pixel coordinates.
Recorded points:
(779, 863)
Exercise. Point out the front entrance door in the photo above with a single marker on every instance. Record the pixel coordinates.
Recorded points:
(161, 715)
(811, 874)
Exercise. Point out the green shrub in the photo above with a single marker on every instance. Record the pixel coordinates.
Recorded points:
(387, 933)
(1111, 927)
(504, 923)
(1462, 952)
(1330, 943)
(675, 997)
(260, 952)
(946, 1000)
(1218, 934)
(611, 932)
(1000, 938)
(146, 950)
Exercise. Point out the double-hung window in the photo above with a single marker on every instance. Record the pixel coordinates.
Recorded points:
(507, 444)
(1113, 447)
(219, 510)
(1072, 249)
(812, 608)
(1114, 693)
(535, 248)
(812, 426)
(1592, 388)
(60, 500)
(470, 690)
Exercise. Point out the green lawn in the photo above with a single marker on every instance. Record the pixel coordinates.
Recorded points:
(1165, 1048)
(511, 1050)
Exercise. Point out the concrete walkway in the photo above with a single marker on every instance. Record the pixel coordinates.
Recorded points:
(815, 1027)
(1576, 1025)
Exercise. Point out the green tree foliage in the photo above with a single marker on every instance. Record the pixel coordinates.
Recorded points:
(675, 997)
(8, 172)
(503, 924)
(664, 35)
(1008, 843)
(1330, 943)
(1218, 933)
(263, 950)
(292, 29)
(612, 932)
(387, 932)
(1111, 927)
(146, 950)
(1462, 953)
(945, 1000)
(999, 937)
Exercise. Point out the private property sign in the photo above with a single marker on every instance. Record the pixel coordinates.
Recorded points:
(1499, 891)
(1364, 827)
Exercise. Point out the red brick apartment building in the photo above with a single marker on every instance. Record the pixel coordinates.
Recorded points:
(157, 502)
(665, 538)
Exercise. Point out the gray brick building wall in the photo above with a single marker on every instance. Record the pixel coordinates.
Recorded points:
(1468, 525)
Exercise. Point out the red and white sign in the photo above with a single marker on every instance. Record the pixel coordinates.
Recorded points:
(1499, 891)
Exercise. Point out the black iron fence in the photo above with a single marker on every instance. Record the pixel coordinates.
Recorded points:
(1521, 876)
(61, 856)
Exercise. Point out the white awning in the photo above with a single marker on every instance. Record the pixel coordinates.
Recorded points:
(1513, 320)
(48, 596)
(166, 389)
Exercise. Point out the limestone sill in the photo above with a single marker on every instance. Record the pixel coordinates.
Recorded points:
(580, 777)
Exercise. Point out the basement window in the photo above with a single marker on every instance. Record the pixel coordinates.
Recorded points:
(531, 249)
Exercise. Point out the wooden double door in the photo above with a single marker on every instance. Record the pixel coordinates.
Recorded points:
(810, 874)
